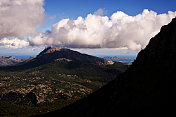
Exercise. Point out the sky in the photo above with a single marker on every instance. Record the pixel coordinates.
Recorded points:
(96, 27)
(74, 8)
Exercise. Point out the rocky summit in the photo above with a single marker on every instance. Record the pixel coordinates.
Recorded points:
(51, 53)
(147, 88)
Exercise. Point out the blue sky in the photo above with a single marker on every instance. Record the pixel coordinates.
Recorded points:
(57, 10)
(74, 8)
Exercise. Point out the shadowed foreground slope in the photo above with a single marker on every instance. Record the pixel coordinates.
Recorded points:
(148, 88)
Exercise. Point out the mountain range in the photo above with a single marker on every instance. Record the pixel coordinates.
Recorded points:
(126, 60)
(147, 88)
(9, 60)
(54, 53)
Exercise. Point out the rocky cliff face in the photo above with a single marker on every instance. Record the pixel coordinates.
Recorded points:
(147, 88)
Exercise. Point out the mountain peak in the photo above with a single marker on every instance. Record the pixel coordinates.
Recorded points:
(50, 50)
(160, 50)
(53, 54)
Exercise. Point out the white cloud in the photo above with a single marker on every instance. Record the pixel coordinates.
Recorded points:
(95, 31)
(13, 43)
(20, 17)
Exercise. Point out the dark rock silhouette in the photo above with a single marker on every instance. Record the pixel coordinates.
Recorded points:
(147, 88)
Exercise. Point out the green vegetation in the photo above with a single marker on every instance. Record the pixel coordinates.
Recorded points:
(13, 110)
(55, 85)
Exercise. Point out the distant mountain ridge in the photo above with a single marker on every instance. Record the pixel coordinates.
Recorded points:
(125, 60)
(51, 53)
(9, 60)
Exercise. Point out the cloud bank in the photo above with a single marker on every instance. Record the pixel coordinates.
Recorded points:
(13, 43)
(96, 31)
(20, 17)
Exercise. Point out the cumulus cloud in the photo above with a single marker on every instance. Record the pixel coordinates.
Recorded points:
(96, 31)
(13, 43)
(20, 17)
